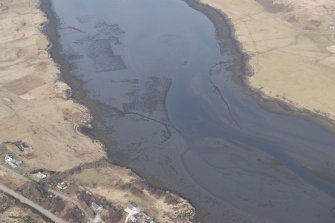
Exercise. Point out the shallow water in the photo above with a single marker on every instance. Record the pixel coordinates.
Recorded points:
(162, 94)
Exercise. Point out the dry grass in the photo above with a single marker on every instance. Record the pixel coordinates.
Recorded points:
(33, 107)
(291, 46)
(120, 186)
(12, 211)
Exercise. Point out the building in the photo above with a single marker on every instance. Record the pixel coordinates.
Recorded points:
(96, 208)
(9, 159)
(149, 220)
(40, 175)
(62, 185)
(132, 209)
(133, 219)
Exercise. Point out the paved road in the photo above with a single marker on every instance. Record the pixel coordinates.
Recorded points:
(132, 213)
(31, 204)
(56, 193)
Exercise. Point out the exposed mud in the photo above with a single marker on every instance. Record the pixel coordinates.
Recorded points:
(176, 115)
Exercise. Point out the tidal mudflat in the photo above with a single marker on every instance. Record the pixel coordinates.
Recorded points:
(158, 77)
(49, 170)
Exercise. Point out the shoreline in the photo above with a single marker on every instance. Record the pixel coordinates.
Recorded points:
(265, 100)
(42, 126)
(64, 107)
(79, 94)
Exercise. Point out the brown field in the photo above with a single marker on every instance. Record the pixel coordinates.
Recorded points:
(39, 126)
(34, 106)
(14, 212)
(125, 187)
(291, 46)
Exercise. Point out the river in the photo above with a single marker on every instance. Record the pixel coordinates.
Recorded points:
(160, 81)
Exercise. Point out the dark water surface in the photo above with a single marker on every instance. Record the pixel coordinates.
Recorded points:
(162, 93)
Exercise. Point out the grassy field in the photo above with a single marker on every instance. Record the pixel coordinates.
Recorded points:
(291, 44)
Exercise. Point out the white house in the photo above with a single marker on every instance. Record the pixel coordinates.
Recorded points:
(132, 209)
(150, 220)
(40, 175)
(96, 208)
(9, 159)
(62, 185)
